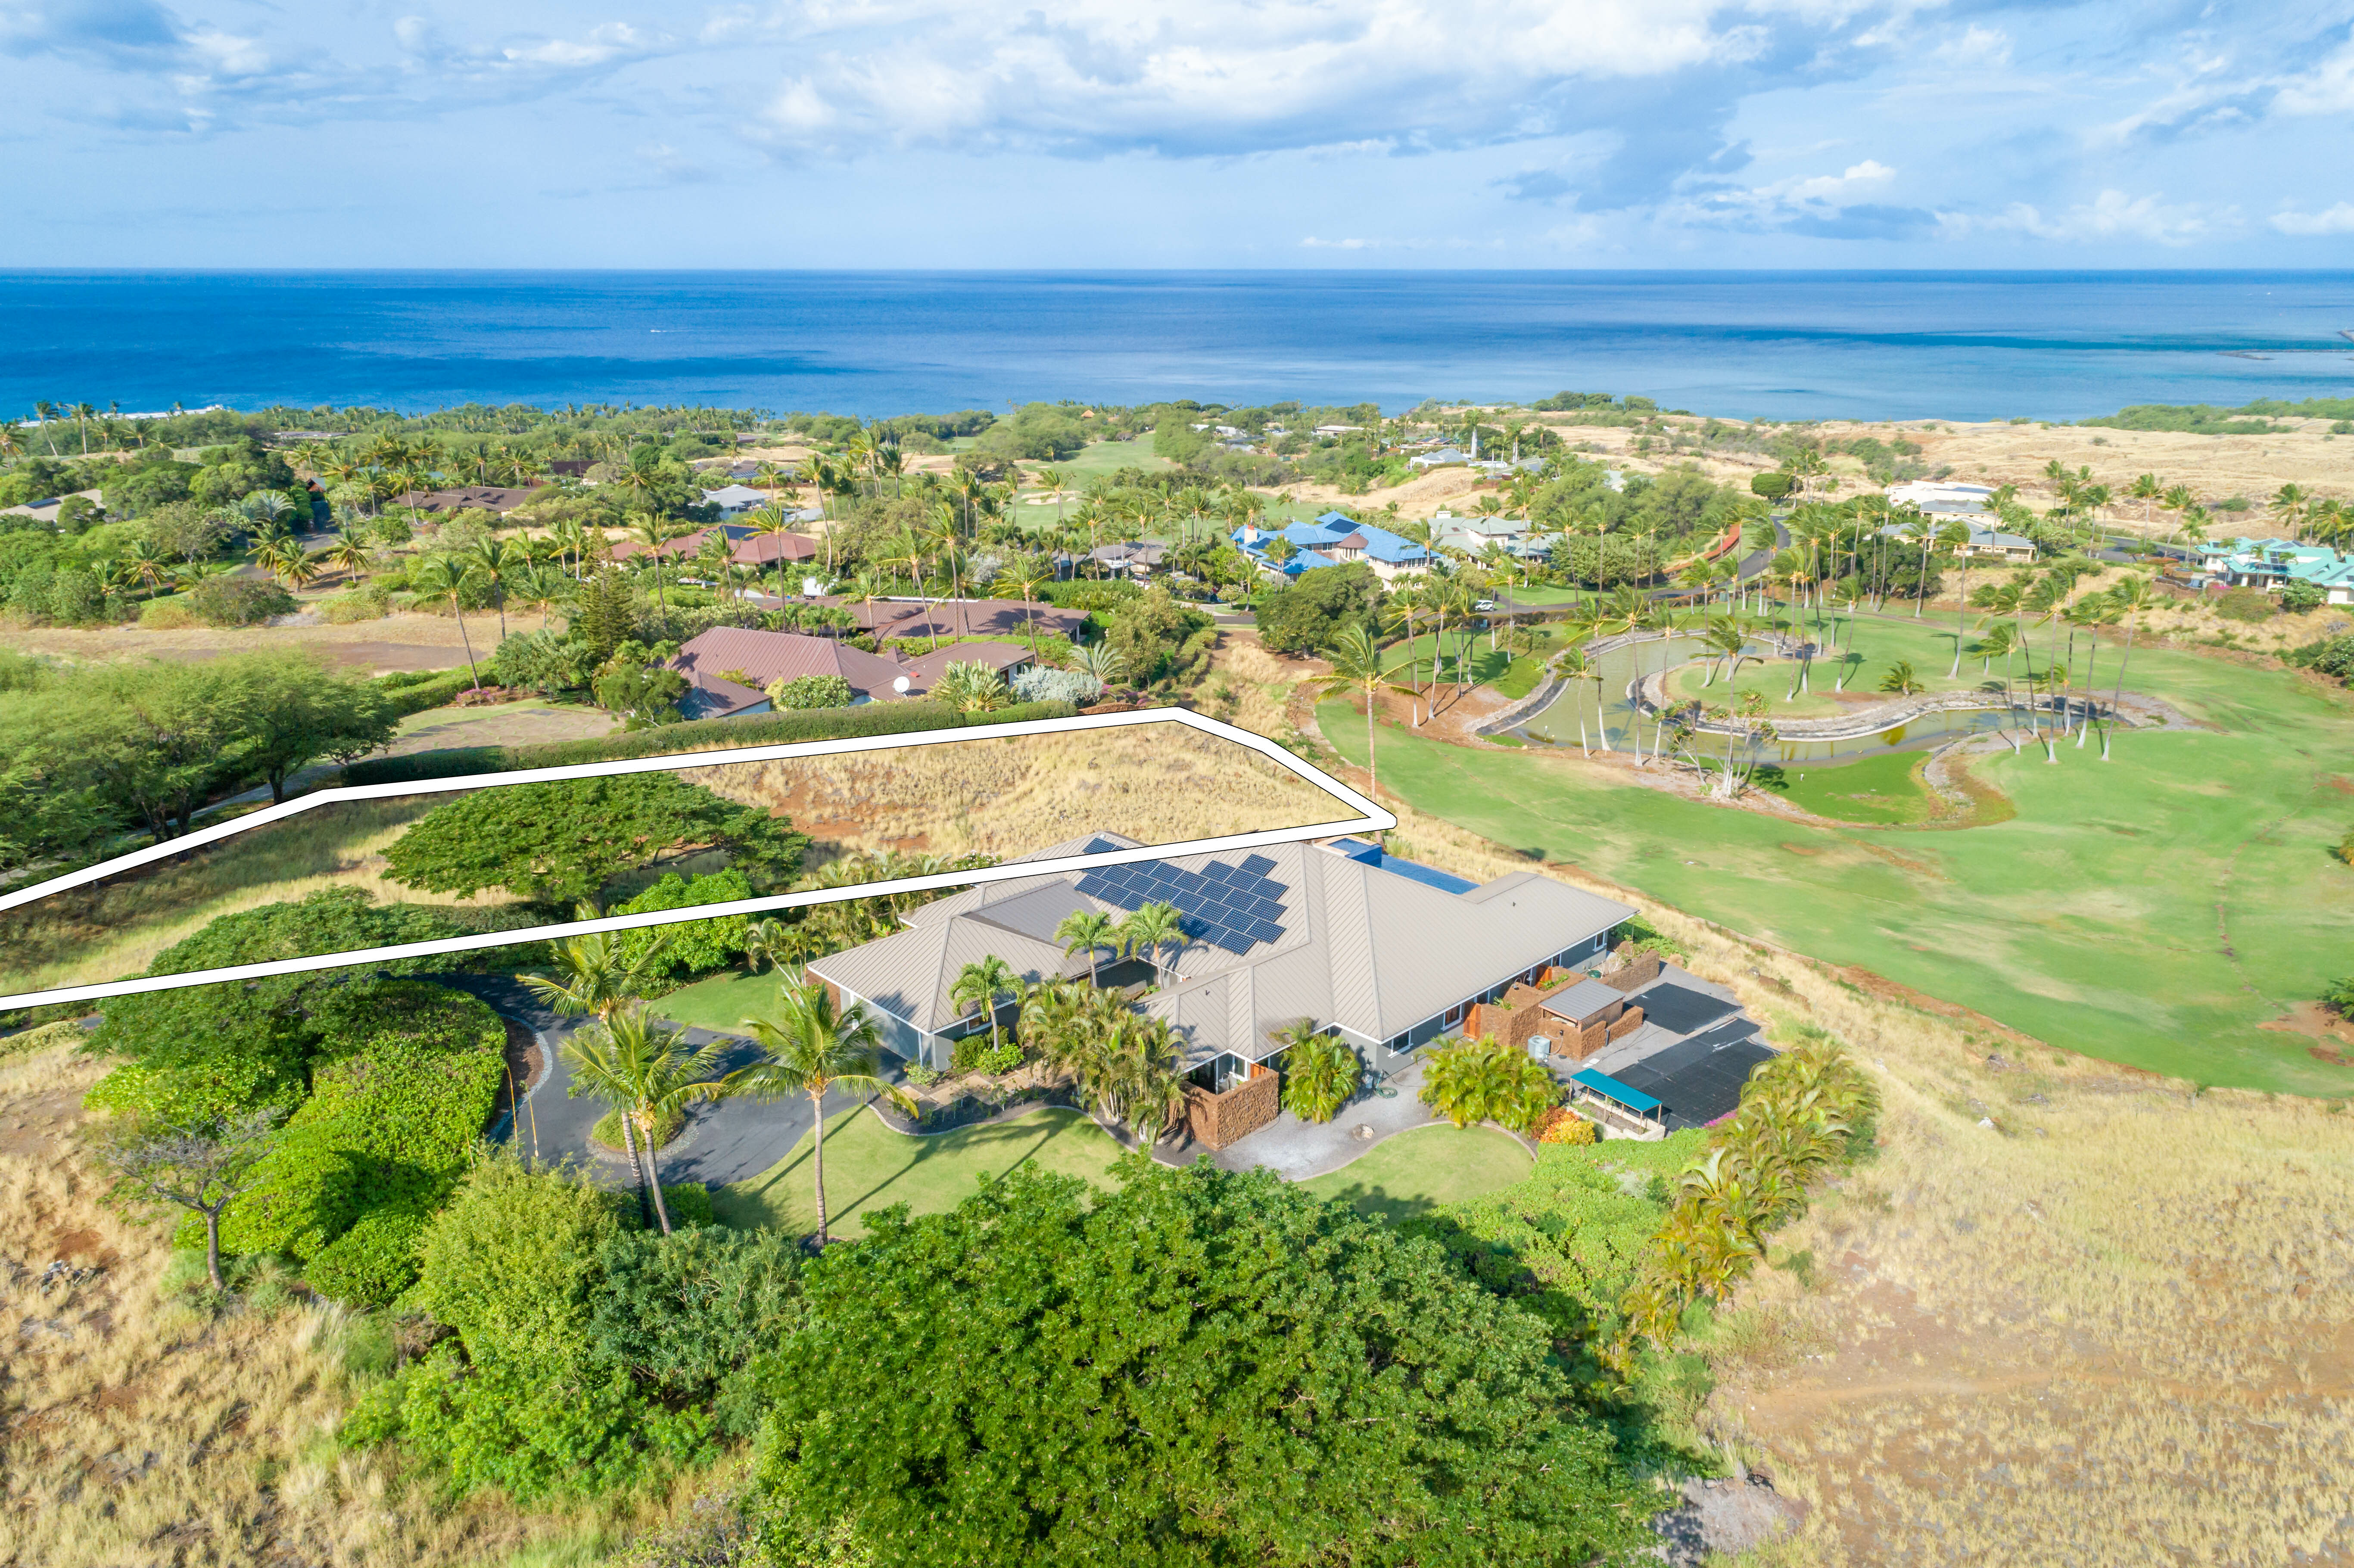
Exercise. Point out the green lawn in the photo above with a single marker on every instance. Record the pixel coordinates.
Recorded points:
(1884, 788)
(2152, 910)
(869, 1167)
(1415, 1172)
(720, 1002)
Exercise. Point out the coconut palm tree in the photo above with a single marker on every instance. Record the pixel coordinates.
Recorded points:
(2147, 488)
(647, 1073)
(2288, 505)
(497, 562)
(809, 1045)
(1723, 638)
(1151, 928)
(1356, 660)
(1900, 679)
(654, 530)
(981, 984)
(1087, 929)
(445, 576)
(2130, 594)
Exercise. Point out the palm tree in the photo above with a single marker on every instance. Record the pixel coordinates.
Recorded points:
(496, 561)
(772, 942)
(981, 983)
(83, 413)
(1900, 679)
(2130, 594)
(443, 576)
(1955, 536)
(2147, 488)
(1320, 1072)
(43, 412)
(1026, 574)
(647, 1073)
(1725, 639)
(1090, 929)
(2288, 505)
(349, 553)
(1356, 660)
(1152, 927)
(809, 1046)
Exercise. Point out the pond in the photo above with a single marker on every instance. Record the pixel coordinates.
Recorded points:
(1609, 711)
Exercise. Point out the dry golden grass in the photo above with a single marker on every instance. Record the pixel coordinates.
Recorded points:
(2112, 1328)
(136, 1429)
(1157, 783)
(116, 928)
(404, 641)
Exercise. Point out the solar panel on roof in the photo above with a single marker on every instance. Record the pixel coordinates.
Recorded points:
(1257, 864)
(1267, 930)
(1218, 871)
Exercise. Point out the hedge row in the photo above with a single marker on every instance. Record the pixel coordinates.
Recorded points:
(413, 692)
(699, 734)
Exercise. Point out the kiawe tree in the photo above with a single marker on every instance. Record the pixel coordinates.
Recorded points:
(563, 842)
(1192, 1367)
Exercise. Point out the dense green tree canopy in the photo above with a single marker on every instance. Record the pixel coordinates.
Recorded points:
(1307, 614)
(563, 842)
(1199, 1367)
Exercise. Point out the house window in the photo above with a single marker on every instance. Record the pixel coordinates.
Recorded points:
(1454, 1015)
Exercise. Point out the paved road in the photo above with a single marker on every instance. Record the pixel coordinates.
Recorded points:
(730, 1142)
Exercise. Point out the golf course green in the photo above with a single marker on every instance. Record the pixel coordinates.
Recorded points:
(2153, 910)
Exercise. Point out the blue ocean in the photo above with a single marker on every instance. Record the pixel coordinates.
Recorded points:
(1967, 345)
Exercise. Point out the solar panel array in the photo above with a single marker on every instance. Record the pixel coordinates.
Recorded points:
(1700, 1079)
(1230, 906)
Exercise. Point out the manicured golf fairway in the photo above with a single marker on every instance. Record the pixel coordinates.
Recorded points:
(1417, 1170)
(2152, 910)
(869, 1167)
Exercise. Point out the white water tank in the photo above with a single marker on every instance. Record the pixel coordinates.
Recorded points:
(1540, 1046)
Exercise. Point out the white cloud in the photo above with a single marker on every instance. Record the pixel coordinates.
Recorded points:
(2110, 216)
(1232, 76)
(2328, 89)
(2339, 219)
(1978, 49)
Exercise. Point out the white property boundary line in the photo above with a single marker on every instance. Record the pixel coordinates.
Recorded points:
(1372, 817)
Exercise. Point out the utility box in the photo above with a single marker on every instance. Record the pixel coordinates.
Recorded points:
(1540, 1046)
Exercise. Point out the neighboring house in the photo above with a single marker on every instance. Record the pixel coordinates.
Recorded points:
(571, 467)
(1921, 492)
(713, 662)
(45, 510)
(501, 499)
(2273, 564)
(735, 500)
(1473, 535)
(1442, 458)
(1388, 954)
(1337, 429)
(1983, 541)
(747, 546)
(961, 618)
(1334, 540)
(1137, 558)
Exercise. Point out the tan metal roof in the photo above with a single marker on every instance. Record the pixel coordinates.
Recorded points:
(1363, 949)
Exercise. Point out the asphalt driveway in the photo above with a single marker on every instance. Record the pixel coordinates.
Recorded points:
(729, 1140)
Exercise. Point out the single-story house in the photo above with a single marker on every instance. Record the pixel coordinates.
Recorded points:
(1983, 541)
(1332, 540)
(728, 669)
(733, 500)
(960, 618)
(1473, 535)
(747, 546)
(1139, 556)
(1923, 492)
(1442, 458)
(499, 498)
(1388, 954)
(712, 661)
(45, 510)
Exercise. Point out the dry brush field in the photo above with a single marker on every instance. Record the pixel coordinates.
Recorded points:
(2063, 1313)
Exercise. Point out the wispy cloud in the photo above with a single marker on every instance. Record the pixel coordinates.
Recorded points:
(2111, 215)
(2339, 219)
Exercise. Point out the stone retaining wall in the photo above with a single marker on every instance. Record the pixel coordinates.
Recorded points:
(1216, 1120)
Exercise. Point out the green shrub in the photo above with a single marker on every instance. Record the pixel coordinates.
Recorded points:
(509, 1262)
(173, 614)
(697, 946)
(1485, 1080)
(388, 1127)
(203, 1088)
(2245, 604)
(689, 1203)
(692, 1310)
(608, 1130)
(373, 1261)
(2341, 997)
(415, 691)
(238, 601)
(805, 692)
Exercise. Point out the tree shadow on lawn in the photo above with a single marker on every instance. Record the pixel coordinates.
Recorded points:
(1375, 1200)
(996, 1149)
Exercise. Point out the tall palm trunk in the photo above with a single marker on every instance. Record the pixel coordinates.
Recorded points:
(817, 1104)
(1961, 614)
(2118, 698)
(637, 1166)
(653, 1180)
(456, 610)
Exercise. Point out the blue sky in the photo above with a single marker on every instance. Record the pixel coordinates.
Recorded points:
(1209, 133)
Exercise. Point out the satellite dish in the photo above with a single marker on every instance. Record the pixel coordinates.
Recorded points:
(900, 686)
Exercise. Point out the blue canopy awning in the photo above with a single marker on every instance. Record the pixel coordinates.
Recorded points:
(1610, 1088)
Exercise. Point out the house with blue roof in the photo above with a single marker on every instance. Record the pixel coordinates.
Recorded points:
(1333, 540)
(2273, 564)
